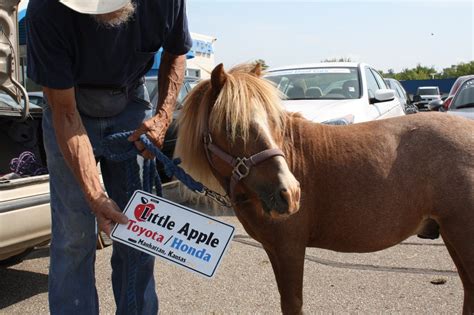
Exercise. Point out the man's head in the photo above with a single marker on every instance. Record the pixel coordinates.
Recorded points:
(109, 13)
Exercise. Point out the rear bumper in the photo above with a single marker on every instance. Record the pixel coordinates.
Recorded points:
(25, 218)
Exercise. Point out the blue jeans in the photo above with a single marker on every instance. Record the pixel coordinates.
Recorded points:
(74, 229)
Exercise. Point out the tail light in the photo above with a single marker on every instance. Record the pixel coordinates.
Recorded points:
(447, 103)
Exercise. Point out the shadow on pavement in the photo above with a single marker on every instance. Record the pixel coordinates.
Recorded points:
(19, 285)
(39, 253)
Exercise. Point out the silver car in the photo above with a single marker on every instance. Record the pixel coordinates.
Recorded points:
(462, 103)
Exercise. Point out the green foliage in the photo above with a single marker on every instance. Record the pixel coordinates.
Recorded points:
(458, 70)
(418, 73)
(424, 73)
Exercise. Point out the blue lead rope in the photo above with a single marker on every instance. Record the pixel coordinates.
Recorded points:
(150, 176)
(128, 152)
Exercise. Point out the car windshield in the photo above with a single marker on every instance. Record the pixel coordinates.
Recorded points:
(152, 87)
(465, 96)
(192, 84)
(317, 83)
(427, 91)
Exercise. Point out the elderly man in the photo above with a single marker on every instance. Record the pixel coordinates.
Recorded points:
(90, 56)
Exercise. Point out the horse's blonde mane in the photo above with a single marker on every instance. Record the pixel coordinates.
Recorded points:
(243, 96)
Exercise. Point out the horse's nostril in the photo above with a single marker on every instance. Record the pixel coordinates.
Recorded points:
(286, 196)
(290, 200)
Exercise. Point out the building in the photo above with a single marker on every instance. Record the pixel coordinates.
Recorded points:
(200, 59)
(203, 62)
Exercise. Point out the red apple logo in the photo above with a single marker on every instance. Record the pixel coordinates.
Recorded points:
(143, 210)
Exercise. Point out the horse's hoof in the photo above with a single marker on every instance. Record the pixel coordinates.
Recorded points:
(430, 230)
(431, 236)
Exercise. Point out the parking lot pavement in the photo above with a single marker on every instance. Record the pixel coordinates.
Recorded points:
(394, 280)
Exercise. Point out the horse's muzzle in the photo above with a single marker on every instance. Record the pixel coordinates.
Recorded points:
(283, 202)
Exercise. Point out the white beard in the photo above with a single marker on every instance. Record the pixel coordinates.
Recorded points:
(116, 18)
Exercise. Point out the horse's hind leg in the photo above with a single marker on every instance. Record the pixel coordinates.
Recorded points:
(288, 266)
(459, 240)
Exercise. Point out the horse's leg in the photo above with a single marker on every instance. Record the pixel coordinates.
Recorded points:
(288, 266)
(459, 240)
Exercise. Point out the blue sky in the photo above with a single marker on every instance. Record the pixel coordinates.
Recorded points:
(386, 34)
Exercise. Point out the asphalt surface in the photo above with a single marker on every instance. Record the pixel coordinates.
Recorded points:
(416, 277)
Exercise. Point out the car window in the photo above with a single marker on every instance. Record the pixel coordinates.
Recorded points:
(459, 81)
(192, 84)
(380, 81)
(399, 90)
(465, 96)
(427, 91)
(182, 93)
(391, 84)
(317, 83)
(151, 86)
(372, 84)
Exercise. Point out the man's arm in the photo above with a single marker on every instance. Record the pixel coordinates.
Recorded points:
(76, 148)
(170, 79)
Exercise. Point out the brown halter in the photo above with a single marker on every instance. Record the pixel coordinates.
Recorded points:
(241, 165)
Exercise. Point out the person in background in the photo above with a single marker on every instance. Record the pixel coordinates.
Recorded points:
(90, 57)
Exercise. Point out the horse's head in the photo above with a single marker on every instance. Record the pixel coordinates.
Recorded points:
(232, 128)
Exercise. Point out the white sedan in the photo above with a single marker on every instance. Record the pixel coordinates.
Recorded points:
(333, 90)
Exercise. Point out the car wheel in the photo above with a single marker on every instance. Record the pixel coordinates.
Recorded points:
(18, 258)
(411, 109)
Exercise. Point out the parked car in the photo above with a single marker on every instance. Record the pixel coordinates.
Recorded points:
(25, 220)
(424, 95)
(171, 133)
(462, 103)
(402, 95)
(460, 80)
(36, 98)
(328, 91)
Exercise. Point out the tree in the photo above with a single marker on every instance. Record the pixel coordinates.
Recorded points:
(458, 70)
(423, 73)
(418, 73)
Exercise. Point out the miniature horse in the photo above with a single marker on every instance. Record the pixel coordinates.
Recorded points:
(357, 188)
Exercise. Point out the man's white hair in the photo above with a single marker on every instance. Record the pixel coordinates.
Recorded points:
(116, 18)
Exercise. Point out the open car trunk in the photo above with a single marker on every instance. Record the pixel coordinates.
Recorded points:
(25, 219)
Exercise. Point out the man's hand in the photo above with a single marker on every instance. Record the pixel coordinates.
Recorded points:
(107, 213)
(155, 129)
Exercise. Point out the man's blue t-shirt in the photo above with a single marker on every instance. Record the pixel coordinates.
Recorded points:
(67, 48)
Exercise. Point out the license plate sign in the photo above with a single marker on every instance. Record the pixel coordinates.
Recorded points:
(175, 233)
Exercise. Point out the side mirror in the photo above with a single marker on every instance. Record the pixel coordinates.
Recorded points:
(435, 105)
(383, 95)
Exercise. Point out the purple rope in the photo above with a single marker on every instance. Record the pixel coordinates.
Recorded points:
(27, 164)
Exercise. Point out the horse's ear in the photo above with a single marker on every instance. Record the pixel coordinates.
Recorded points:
(257, 70)
(218, 78)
